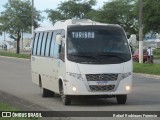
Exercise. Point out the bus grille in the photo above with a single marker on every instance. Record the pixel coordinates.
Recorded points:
(101, 77)
(102, 88)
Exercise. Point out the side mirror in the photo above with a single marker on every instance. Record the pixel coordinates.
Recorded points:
(132, 40)
(59, 39)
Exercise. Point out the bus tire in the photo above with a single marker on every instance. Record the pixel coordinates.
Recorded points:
(121, 99)
(65, 98)
(47, 93)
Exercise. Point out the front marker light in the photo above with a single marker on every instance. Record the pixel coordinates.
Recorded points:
(123, 75)
(74, 89)
(75, 75)
(128, 88)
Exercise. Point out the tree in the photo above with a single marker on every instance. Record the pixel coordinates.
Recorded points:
(122, 12)
(151, 16)
(17, 17)
(77, 9)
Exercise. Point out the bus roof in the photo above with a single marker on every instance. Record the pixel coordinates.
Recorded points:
(64, 23)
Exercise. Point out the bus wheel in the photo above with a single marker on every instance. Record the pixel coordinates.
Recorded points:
(65, 98)
(47, 93)
(121, 99)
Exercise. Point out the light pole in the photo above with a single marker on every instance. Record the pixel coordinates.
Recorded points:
(32, 18)
(4, 44)
(140, 32)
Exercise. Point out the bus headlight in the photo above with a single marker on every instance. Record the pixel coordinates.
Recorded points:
(128, 88)
(123, 75)
(74, 89)
(75, 75)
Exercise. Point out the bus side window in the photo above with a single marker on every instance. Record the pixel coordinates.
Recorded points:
(52, 45)
(56, 46)
(35, 44)
(62, 52)
(48, 44)
(43, 44)
(39, 43)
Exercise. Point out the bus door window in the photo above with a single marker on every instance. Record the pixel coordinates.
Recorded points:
(56, 46)
(62, 47)
(62, 52)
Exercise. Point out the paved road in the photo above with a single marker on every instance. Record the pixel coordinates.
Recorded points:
(15, 78)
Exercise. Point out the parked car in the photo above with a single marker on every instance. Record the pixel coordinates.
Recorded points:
(135, 55)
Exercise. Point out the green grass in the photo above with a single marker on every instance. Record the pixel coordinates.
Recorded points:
(6, 107)
(156, 53)
(8, 54)
(153, 69)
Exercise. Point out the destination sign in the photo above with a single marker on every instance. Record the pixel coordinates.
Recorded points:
(86, 35)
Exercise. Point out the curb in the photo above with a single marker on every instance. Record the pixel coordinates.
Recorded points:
(14, 58)
(147, 75)
(20, 103)
(25, 105)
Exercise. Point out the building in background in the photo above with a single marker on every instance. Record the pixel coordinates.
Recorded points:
(152, 41)
(7, 43)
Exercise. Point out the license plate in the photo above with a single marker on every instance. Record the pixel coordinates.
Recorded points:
(102, 83)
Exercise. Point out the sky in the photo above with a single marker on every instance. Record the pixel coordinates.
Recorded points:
(47, 4)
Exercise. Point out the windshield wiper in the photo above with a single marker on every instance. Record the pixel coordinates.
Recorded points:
(112, 55)
(86, 56)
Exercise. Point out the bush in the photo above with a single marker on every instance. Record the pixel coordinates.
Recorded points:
(156, 52)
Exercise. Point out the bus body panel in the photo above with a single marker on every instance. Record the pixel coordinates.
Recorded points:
(82, 89)
(47, 69)
(82, 85)
(50, 70)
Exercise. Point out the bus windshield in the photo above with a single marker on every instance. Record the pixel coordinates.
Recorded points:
(97, 46)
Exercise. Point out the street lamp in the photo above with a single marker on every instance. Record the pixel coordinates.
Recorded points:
(32, 18)
(140, 32)
(4, 36)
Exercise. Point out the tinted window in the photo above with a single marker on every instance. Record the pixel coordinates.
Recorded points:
(52, 45)
(44, 44)
(56, 46)
(62, 52)
(35, 44)
(48, 44)
(39, 43)
(103, 46)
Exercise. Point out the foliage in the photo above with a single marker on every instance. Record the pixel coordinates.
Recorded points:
(151, 16)
(17, 16)
(123, 12)
(77, 9)
(120, 12)
(156, 53)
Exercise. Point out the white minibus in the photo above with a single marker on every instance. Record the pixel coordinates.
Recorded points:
(82, 58)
